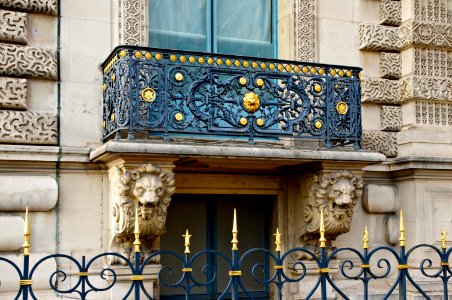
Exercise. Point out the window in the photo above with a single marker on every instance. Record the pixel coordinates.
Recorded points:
(220, 26)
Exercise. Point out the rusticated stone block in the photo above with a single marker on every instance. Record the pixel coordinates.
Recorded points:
(13, 26)
(378, 90)
(48, 7)
(13, 93)
(391, 118)
(27, 61)
(379, 37)
(380, 141)
(426, 88)
(23, 127)
(380, 198)
(390, 65)
(390, 12)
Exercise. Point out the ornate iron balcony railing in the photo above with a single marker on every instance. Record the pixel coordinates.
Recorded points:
(173, 92)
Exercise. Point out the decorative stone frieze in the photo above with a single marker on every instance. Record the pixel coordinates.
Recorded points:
(38, 193)
(13, 26)
(336, 195)
(380, 141)
(431, 62)
(390, 65)
(147, 189)
(48, 7)
(379, 37)
(415, 33)
(305, 30)
(426, 88)
(433, 113)
(22, 127)
(133, 29)
(380, 198)
(13, 93)
(27, 61)
(432, 11)
(391, 118)
(379, 90)
(390, 12)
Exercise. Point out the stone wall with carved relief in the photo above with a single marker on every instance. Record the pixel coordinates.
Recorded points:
(19, 64)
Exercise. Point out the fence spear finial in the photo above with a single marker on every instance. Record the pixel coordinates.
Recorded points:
(443, 238)
(136, 243)
(235, 232)
(277, 240)
(322, 239)
(402, 230)
(365, 238)
(26, 245)
(187, 237)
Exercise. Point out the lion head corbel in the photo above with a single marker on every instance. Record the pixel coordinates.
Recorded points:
(336, 195)
(146, 189)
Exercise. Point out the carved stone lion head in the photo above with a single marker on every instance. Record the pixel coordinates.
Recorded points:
(337, 195)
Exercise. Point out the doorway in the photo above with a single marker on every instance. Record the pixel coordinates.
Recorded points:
(209, 220)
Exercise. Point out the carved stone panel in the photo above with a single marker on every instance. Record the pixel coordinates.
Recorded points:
(305, 30)
(391, 118)
(133, 28)
(378, 90)
(390, 65)
(426, 88)
(414, 33)
(27, 61)
(432, 11)
(380, 141)
(379, 37)
(48, 7)
(13, 26)
(434, 113)
(336, 195)
(13, 93)
(146, 189)
(22, 127)
(431, 62)
(390, 12)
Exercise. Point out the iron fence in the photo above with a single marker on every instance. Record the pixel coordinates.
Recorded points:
(170, 93)
(282, 269)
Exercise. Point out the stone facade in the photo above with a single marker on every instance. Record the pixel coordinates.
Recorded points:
(80, 190)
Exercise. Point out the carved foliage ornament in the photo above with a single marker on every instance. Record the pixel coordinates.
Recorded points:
(149, 189)
(336, 195)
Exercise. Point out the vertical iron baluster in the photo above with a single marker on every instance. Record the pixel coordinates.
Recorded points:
(235, 272)
(187, 268)
(444, 263)
(403, 264)
(323, 268)
(278, 267)
(137, 277)
(365, 266)
(25, 282)
(83, 276)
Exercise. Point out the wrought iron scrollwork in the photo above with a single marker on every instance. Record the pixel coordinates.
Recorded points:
(148, 90)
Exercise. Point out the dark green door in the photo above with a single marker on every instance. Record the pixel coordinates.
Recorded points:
(209, 220)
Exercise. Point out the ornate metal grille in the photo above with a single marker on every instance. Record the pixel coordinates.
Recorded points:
(174, 93)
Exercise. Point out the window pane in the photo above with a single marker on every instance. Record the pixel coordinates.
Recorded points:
(245, 27)
(178, 24)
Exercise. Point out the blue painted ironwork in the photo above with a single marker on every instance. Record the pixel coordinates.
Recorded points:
(285, 269)
(149, 91)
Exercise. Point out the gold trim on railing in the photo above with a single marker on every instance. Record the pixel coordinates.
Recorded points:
(83, 274)
(187, 270)
(445, 264)
(443, 238)
(277, 240)
(25, 282)
(235, 273)
(401, 267)
(137, 277)
(324, 270)
(278, 267)
(365, 266)
(365, 238)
